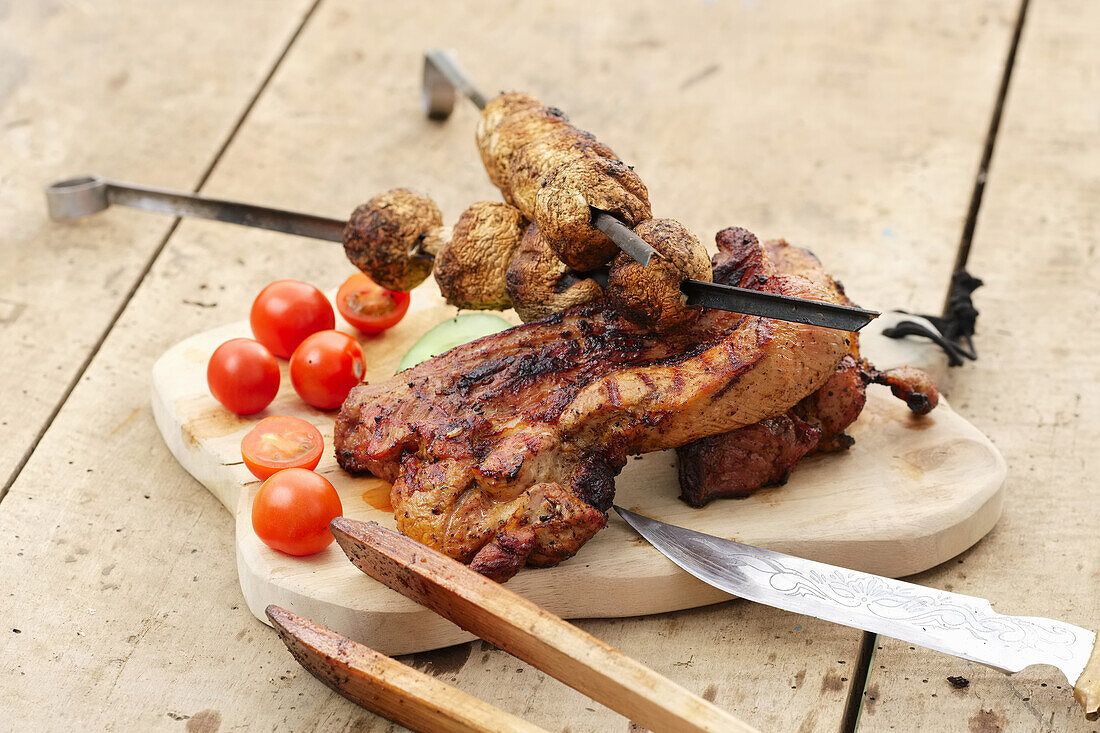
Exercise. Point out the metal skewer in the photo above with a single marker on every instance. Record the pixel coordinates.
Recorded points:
(78, 197)
(443, 78)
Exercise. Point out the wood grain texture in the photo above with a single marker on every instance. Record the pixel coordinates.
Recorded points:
(521, 628)
(1034, 391)
(855, 130)
(385, 686)
(125, 90)
(913, 493)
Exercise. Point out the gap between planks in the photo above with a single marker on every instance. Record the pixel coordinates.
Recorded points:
(155, 254)
(853, 711)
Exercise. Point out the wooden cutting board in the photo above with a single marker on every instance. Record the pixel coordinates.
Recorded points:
(912, 493)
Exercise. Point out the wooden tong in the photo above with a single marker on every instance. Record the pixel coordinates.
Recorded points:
(386, 686)
(497, 615)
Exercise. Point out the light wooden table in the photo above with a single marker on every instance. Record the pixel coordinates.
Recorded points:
(855, 128)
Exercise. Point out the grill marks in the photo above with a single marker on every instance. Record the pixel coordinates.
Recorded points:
(509, 446)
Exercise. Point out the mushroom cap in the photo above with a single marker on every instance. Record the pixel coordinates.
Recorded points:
(382, 235)
(650, 296)
(540, 284)
(534, 164)
(470, 270)
(563, 208)
(514, 131)
(496, 110)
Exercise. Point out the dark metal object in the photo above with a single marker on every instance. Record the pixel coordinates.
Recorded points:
(624, 238)
(782, 307)
(78, 197)
(442, 78)
(955, 328)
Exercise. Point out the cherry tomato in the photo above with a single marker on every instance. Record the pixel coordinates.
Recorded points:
(280, 442)
(287, 311)
(243, 376)
(325, 367)
(292, 510)
(368, 306)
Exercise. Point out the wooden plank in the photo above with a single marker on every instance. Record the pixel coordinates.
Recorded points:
(863, 123)
(125, 90)
(1033, 391)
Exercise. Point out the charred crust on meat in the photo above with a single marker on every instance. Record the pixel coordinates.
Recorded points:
(594, 480)
(736, 464)
(504, 555)
(740, 259)
(912, 386)
(381, 236)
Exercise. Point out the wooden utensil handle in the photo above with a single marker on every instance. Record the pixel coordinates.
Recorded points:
(521, 628)
(385, 686)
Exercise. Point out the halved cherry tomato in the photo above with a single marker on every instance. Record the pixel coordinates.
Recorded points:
(325, 367)
(280, 442)
(287, 311)
(292, 510)
(243, 376)
(368, 306)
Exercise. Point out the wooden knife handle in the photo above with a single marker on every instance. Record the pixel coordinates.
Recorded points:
(385, 686)
(1087, 689)
(525, 630)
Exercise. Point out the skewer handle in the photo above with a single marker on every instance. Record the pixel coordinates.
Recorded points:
(442, 78)
(385, 686)
(78, 197)
(521, 628)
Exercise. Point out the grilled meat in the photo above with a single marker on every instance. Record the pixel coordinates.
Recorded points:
(504, 451)
(739, 462)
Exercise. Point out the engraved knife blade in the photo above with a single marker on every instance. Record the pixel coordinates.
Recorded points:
(963, 626)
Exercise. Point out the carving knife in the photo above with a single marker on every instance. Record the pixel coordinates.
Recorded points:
(963, 626)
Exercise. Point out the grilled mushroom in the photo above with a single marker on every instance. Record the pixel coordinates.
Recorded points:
(513, 132)
(651, 296)
(470, 269)
(534, 164)
(563, 208)
(383, 236)
(494, 113)
(540, 284)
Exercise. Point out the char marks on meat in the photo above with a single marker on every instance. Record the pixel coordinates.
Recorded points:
(505, 450)
(737, 463)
